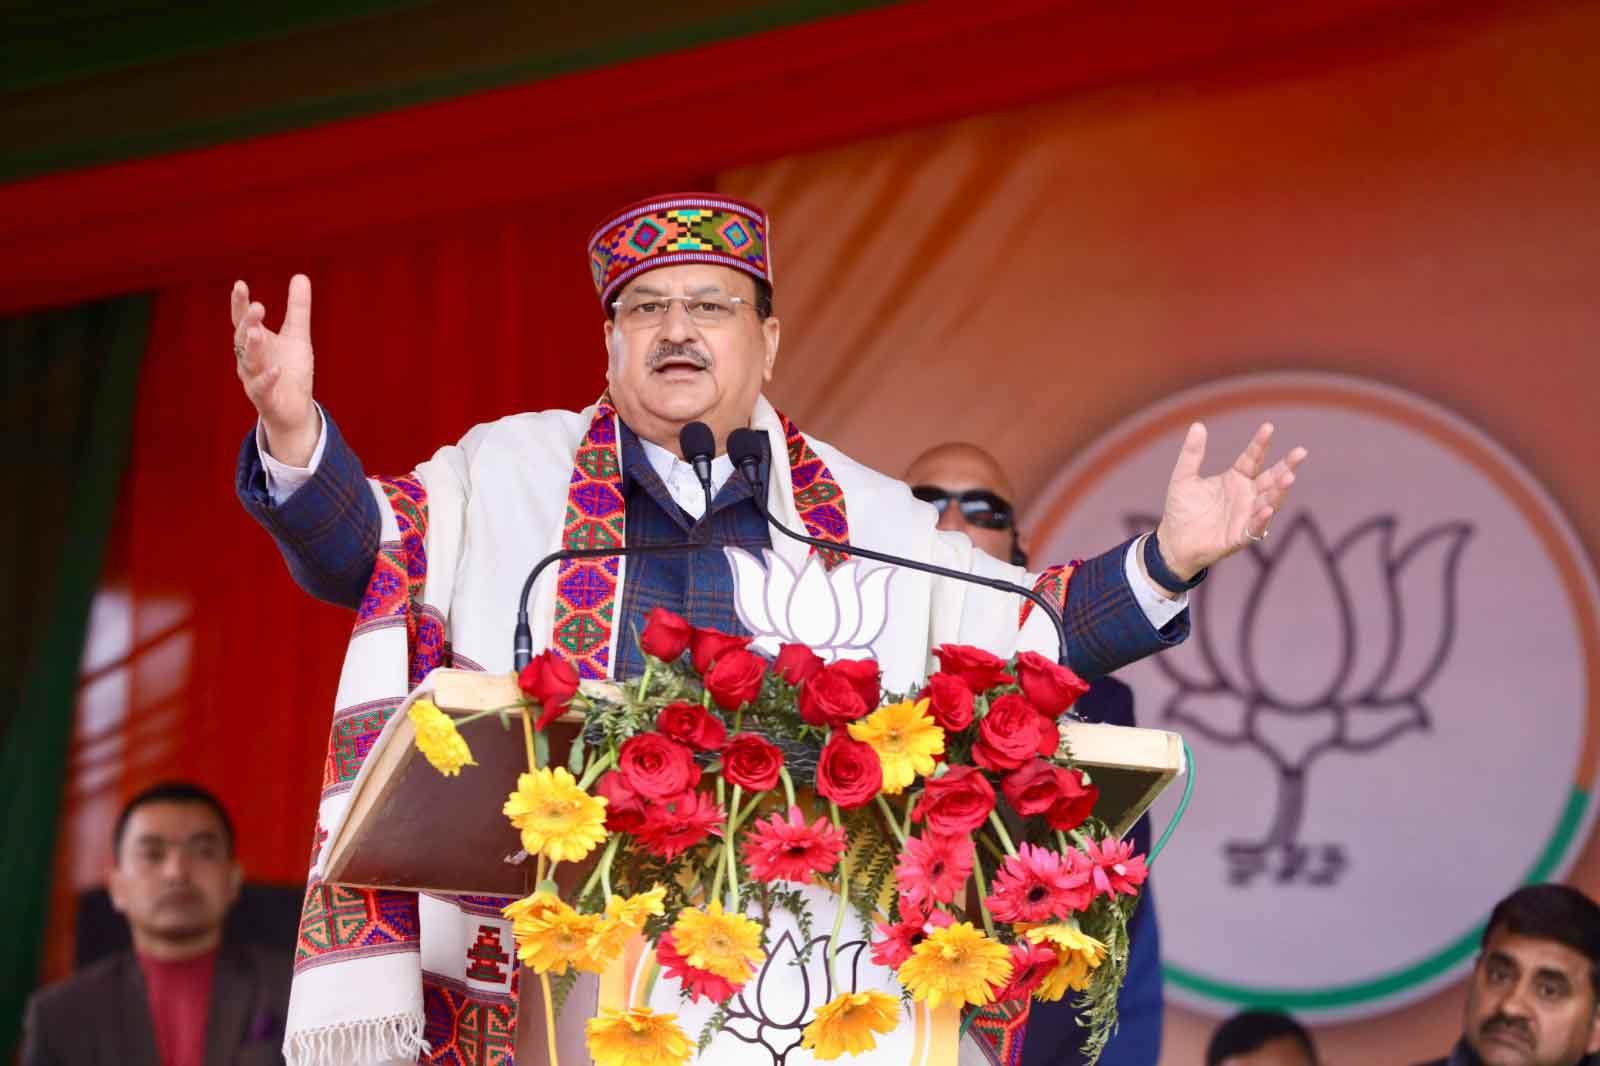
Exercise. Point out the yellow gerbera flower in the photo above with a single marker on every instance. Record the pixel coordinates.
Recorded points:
(906, 739)
(636, 1037)
(438, 740)
(557, 938)
(625, 918)
(634, 910)
(728, 945)
(532, 907)
(956, 964)
(558, 819)
(1078, 955)
(848, 1024)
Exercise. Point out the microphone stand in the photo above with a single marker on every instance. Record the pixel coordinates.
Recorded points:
(748, 459)
(522, 636)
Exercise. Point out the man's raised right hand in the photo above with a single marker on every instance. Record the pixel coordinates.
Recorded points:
(276, 368)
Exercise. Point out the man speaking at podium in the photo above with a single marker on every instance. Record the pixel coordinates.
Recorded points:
(434, 560)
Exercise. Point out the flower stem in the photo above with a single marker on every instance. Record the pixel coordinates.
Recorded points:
(890, 820)
(788, 785)
(549, 1017)
(991, 847)
(527, 738)
(844, 902)
(595, 769)
(983, 896)
(732, 859)
(468, 719)
(602, 868)
(1061, 842)
(644, 682)
(1000, 828)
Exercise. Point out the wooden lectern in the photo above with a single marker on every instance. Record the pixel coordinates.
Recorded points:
(399, 801)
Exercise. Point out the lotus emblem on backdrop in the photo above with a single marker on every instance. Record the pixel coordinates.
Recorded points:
(1373, 624)
(1389, 700)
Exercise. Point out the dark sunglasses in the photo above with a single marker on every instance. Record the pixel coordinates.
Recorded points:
(980, 507)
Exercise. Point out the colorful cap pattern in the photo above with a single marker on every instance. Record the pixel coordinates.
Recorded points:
(687, 228)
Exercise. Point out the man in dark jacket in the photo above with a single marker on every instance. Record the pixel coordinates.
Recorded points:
(1534, 998)
(181, 997)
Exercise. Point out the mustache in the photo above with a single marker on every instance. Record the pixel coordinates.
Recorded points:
(1500, 1023)
(676, 351)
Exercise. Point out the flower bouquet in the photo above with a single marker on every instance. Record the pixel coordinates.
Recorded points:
(718, 785)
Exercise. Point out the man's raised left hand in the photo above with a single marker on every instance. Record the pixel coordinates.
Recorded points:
(1206, 519)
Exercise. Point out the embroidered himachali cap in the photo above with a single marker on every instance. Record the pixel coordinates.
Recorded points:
(684, 228)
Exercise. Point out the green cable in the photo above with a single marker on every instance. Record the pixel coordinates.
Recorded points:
(1183, 803)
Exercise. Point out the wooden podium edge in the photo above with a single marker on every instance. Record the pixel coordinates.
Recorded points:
(1094, 745)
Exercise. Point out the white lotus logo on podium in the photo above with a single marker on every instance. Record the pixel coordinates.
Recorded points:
(838, 614)
(1317, 647)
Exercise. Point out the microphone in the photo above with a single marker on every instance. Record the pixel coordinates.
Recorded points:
(699, 447)
(747, 450)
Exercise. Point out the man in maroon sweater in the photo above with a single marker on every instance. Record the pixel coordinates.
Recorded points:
(181, 997)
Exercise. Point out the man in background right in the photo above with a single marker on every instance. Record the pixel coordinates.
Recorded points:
(1534, 998)
(974, 496)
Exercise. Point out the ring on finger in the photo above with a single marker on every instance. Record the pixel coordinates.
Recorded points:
(1253, 538)
(238, 351)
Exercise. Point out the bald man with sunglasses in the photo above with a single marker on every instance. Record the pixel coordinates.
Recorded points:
(973, 495)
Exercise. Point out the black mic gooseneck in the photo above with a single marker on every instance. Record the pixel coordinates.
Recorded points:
(746, 448)
(698, 445)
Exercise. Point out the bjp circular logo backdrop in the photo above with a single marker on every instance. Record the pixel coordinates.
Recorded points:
(1392, 701)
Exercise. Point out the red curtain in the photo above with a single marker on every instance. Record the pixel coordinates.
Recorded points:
(204, 660)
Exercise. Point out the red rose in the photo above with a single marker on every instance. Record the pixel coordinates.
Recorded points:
(1049, 686)
(829, 699)
(735, 678)
(665, 634)
(848, 772)
(706, 645)
(949, 701)
(980, 670)
(549, 681)
(657, 767)
(1008, 736)
(751, 762)
(796, 662)
(693, 725)
(1049, 736)
(1075, 803)
(864, 677)
(1033, 789)
(625, 811)
(956, 803)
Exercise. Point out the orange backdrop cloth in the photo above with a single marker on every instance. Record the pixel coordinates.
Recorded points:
(1424, 210)
(204, 661)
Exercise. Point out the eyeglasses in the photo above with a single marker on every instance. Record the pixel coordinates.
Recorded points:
(642, 312)
(980, 507)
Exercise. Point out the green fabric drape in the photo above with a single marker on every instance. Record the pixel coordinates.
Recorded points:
(69, 379)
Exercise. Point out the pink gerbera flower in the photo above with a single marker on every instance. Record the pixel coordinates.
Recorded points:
(696, 982)
(1039, 885)
(900, 938)
(932, 869)
(781, 849)
(678, 824)
(1030, 964)
(1115, 867)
